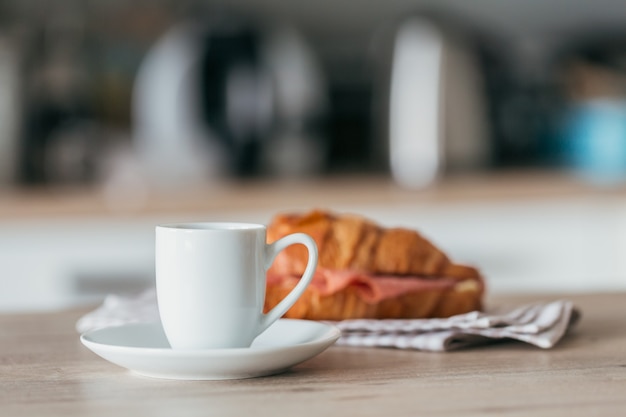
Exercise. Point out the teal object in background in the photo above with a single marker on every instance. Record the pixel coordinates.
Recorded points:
(596, 140)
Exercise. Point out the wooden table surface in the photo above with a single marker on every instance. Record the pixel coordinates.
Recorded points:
(45, 371)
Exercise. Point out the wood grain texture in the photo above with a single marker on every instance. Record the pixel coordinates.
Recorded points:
(44, 370)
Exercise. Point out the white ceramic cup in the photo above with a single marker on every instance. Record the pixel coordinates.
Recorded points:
(210, 280)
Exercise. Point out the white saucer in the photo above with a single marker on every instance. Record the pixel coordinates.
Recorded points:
(143, 348)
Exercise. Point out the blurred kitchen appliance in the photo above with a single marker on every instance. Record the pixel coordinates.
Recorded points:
(214, 96)
(59, 140)
(596, 132)
(10, 115)
(437, 117)
(594, 119)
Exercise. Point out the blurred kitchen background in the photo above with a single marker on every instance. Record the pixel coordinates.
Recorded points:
(497, 127)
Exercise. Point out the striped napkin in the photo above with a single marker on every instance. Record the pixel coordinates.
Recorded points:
(542, 325)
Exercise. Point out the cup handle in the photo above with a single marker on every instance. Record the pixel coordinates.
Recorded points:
(271, 251)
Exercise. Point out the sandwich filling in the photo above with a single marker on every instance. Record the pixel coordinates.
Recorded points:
(370, 288)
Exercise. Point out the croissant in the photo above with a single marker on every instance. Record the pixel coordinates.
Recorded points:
(368, 271)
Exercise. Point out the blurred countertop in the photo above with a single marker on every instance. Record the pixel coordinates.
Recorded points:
(275, 195)
(528, 232)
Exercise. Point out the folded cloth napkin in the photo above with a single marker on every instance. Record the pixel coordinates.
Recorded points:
(117, 310)
(541, 324)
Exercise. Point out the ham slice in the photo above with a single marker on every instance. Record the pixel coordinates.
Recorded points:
(371, 288)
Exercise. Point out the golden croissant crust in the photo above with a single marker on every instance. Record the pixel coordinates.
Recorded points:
(359, 251)
(352, 242)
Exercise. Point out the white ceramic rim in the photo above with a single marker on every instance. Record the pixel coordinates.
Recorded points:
(211, 226)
